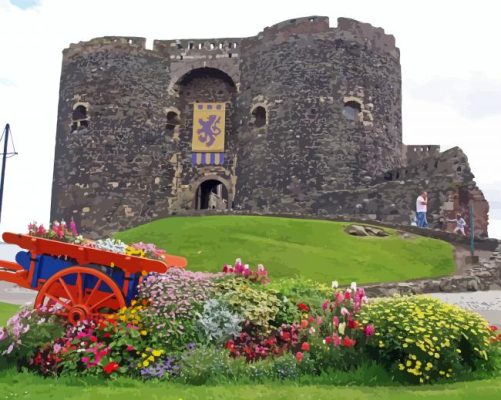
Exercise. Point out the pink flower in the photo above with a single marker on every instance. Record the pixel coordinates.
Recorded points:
(369, 330)
(3, 334)
(57, 348)
(305, 346)
(73, 227)
(339, 297)
(335, 321)
(319, 320)
(344, 312)
(325, 304)
(336, 340)
(299, 356)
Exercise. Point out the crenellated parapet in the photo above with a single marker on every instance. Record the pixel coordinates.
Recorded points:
(105, 42)
(366, 34)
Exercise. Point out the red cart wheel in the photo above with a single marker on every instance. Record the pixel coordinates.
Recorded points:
(65, 292)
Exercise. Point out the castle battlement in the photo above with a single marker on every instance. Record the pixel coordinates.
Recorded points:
(186, 49)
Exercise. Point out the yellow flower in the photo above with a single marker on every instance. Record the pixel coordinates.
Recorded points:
(146, 363)
(436, 355)
(157, 353)
(151, 358)
(143, 332)
(401, 367)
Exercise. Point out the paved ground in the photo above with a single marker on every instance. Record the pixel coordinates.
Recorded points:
(487, 303)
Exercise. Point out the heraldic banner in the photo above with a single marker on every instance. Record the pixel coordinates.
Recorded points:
(208, 128)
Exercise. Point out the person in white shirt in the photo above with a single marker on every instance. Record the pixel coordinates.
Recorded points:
(460, 224)
(421, 208)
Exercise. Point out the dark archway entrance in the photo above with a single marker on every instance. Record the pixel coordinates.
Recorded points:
(212, 195)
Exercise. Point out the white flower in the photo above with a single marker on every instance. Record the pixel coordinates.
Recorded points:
(341, 328)
(238, 261)
(335, 284)
(348, 290)
(354, 286)
(323, 341)
(246, 266)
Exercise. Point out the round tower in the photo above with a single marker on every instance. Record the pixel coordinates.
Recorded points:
(320, 111)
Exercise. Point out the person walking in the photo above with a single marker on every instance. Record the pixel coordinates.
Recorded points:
(460, 224)
(421, 208)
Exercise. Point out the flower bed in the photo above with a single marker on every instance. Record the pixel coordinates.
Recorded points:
(195, 327)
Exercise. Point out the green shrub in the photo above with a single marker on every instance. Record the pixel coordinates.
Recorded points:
(300, 290)
(422, 339)
(257, 306)
(210, 365)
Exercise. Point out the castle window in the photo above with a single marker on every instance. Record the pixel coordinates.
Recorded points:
(351, 110)
(190, 45)
(80, 119)
(234, 45)
(200, 46)
(212, 46)
(220, 46)
(172, 121)
(229, 55)
(259, 116)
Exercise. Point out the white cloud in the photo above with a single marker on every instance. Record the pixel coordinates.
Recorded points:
(440, 42)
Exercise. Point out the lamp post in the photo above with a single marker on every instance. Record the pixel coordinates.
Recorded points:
(5, 153)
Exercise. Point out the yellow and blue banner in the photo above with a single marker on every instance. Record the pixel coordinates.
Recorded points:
(207, 158)
(208, 128)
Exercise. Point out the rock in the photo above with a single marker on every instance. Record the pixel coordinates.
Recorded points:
(472, 285)
(375, 231)
(356, 230)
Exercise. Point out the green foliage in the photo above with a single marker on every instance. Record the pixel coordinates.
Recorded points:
(210, 365)
(300, 290)
(313, 249)
(255, 305)
(425, 340)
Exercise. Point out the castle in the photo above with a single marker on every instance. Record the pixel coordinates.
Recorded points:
(302, 118)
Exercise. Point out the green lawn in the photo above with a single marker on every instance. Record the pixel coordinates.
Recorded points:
(28, 386)
(314, 249)
(6, 311)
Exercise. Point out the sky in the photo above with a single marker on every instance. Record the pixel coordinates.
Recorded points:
(450, 58)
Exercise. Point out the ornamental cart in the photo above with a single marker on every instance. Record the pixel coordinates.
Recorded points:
(79, 282)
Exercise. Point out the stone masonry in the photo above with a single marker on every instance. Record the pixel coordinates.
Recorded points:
(313, 125)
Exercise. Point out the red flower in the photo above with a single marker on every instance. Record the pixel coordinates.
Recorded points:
(328, 340)
(347, 342)
(111, 367)
(305, 346)
(493, 328)
(304, 323)
(352, 324)
(299, 356)
(347, 295)
(93, 339)
(285, 336)
(303, 307)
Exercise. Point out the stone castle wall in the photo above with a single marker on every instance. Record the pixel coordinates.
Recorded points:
(129, 160)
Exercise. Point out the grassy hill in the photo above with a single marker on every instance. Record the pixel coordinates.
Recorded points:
(318, 250)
